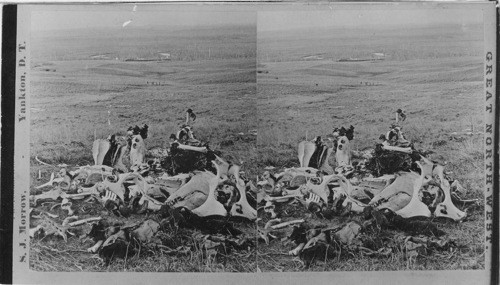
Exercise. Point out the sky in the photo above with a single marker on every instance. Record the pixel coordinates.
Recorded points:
(354, 18)
(57, 17)
(54, 17)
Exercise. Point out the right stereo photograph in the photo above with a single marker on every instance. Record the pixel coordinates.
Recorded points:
(371, 139)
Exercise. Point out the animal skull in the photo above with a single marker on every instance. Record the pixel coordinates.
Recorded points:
(137, 150)
(343, 153)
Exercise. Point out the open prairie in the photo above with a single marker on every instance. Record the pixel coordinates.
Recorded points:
(76, 95)
(312, 80)
(90, 83)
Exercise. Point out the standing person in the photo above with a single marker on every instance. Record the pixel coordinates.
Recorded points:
(190, 117)
(400, 116)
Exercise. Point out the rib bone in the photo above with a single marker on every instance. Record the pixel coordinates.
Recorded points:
(322, 189)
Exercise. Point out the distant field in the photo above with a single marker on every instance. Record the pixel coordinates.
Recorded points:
(72, 93)
(182, 43)
(310, 81)
(92, 83)
(76, 97)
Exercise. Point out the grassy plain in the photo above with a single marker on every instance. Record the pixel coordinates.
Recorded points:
(92, 83)
(81, 81)
(434, 73)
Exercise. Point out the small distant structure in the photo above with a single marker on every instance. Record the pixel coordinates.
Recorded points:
(313, 57)
(161, 56)
(100, 56)
(164, 55)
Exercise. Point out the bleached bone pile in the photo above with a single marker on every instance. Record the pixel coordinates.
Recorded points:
(394, 183)
(195, 199)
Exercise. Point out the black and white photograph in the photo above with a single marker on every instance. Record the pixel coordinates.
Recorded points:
(372, 125)
(142, 139)
(249, 143)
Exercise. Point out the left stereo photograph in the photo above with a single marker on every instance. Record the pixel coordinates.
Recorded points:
(140, 132)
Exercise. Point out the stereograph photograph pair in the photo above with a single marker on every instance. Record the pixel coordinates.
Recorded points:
(291, 141)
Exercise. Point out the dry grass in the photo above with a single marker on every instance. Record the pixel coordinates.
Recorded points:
(77, 99)
(437, 84)
(293, 100)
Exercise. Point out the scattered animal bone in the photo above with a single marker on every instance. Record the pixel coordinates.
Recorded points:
(297, 250)
(227, 169)
(265, 232)
(395, 137)
(407, 150)
(305, 151)
(50, 182)
(322, 189)
(91, 174)
(41, 162)
(286, 224)
(301, 191)
(400, 116)
(315, 154)
(457, 187)
(241, 208)
(398, 194)
(137, 150)
(416, 207)
(95, 248)
(118, 187)
(268, 179)
(345, 190)
(211, 206)
(192, 148)
(313, 203)
(447, 208)
(84, 221)
(281, 199)
(33, 231)
(343, 154)
(185, 135)
(109, 152)
(51, 195)
(182, 177)
(65, 205)
(269, 208)
(145, 190)
(192, 194)
(348, 233)
(51, 227)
